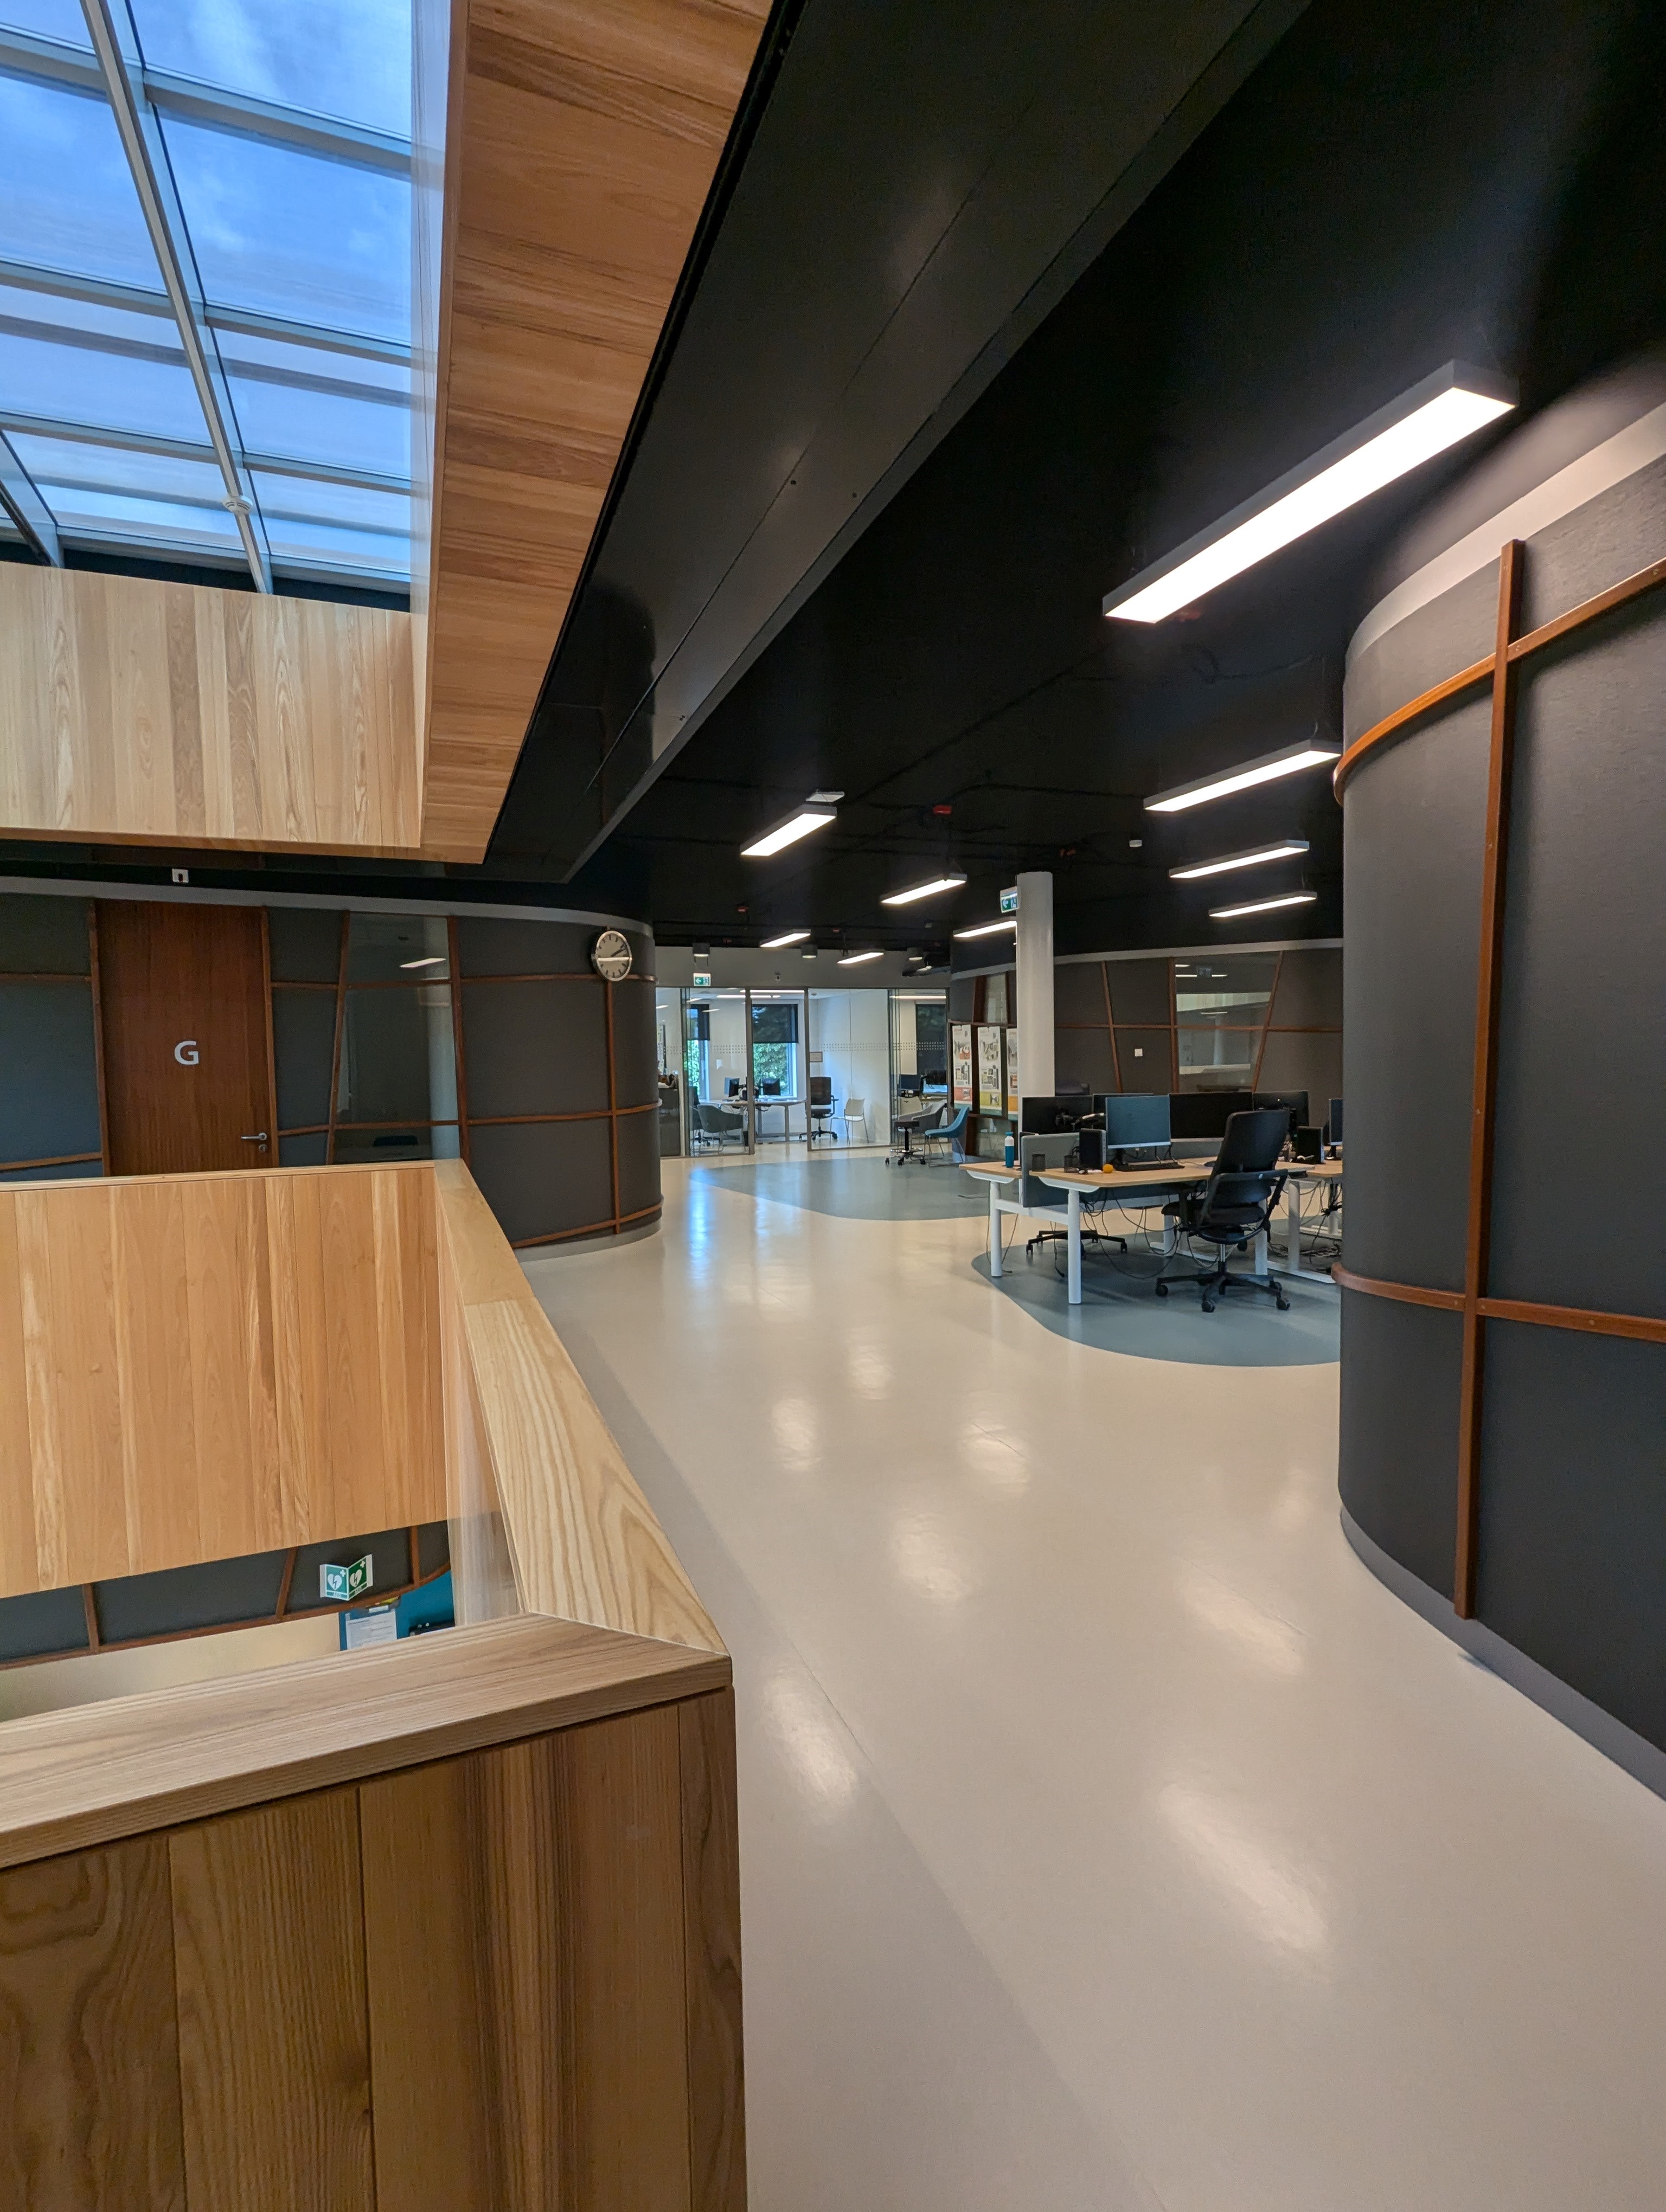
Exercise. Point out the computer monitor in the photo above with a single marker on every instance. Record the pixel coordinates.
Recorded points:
(1064, 1090)
(1050, 1117)
(910, 1086)
(1293, 1103)
(937, 1078)
(1333, 1122)
(731, 1087)
(1135, 1118)
(1194, 1116)
(768, 1086)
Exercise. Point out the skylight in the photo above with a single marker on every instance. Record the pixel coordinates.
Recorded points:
(271, 426)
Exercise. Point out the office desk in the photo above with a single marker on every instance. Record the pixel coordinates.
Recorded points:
(762, 1106)
(1143, 1187)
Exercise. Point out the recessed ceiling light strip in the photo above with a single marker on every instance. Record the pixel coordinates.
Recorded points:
(1311, 752)
(1434, 414)
(1286, 849)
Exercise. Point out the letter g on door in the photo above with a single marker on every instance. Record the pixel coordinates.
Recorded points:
(186, 1052)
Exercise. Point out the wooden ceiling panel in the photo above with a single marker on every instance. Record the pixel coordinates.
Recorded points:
(586, 135)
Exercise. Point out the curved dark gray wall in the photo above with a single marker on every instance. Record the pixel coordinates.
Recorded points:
(1571, 1570)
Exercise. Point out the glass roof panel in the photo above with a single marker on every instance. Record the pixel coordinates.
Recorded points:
(306, 500)
(71, 383)
(29, 313)
(284, 362)
(84, 468)
(350, 58)
(66, 194)
(48, 19)
(291, 233)
(147, 521)
(276, 421)
(312, 544)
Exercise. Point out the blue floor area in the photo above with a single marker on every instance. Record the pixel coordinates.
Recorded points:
(860, 1187)
(1121, 1312)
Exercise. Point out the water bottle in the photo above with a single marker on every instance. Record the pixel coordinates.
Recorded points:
(1009, 1156)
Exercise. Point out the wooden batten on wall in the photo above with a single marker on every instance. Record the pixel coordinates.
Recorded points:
(137, 711)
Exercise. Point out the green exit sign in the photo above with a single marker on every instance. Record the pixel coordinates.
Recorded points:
(340, 1585)
(1009, 900)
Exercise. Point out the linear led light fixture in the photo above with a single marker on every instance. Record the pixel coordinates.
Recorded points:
(990, 928)
(1311, 752)
(817, 811)
(434, 960)
(796, 937)
(924, 891)
(1286, 849)
(855, 959)
(1438, 412)
(1261, 906)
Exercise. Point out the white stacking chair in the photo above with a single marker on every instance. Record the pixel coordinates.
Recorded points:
(854, 1109)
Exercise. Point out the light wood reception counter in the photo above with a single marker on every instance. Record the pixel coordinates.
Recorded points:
(453, 1922)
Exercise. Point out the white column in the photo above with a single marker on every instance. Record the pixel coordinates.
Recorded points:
(1035, 985)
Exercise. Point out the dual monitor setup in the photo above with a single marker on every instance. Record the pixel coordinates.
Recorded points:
(1115, 1125)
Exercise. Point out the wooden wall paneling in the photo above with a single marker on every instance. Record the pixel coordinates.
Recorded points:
(156, 1370)
(233, 1370)
(274, 2054)
(1489, 986)
(139, 710)
(462, 1871)
(482, 1572)
(71, 1382)
(296, 1265)
(408, 1342)
(19, 1564)
(89, 2061)
(581, 146)
(619, 1833)
(711, 1924)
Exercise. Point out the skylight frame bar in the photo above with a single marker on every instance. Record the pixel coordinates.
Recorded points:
(26, 507)
(241, 322)
(115, 41)
(26, 53)
(195, 449)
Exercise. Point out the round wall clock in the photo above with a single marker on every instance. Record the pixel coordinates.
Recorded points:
(610, 956)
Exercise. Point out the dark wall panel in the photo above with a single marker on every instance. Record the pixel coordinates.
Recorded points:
(1412, 879)
(535, 1047)
(181, 1598)
(1078, 992)
(1139, 991)
(1146, 1058)
(1582, 1039)
(49, 1099)
(639, 1162)
(542, 1177)
(43, 935)
(1309, 991)
(1573, 1512)
(1292, 1060)
(1399, 1443)
(303, 1152)
(635, 1048)
(1084, 1056)
(306, 944)
(42, 1621)
(303, 1047)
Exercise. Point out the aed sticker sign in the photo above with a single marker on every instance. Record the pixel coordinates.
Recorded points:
(341, 1585)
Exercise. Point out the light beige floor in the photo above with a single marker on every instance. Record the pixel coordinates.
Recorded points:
(1110, 1838)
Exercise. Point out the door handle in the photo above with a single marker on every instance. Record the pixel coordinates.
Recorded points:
(259, 1139)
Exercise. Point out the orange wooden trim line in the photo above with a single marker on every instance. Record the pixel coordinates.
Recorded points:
(1535, 641)
(1406, 1294)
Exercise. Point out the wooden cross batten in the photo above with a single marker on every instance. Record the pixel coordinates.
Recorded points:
(1498, 668)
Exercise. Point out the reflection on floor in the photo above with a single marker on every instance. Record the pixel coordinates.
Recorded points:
(1110, 1838)
(859, 1187)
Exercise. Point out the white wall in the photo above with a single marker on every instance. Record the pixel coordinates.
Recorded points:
(851, 1029)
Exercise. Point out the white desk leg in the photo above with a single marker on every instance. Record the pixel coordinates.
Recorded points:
(1170, 1234)
(995, 1228)
(1073, 1236)
(1259, 1255)
(1293, 1242)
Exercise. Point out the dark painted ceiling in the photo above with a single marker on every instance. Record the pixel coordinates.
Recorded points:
(1395, 186)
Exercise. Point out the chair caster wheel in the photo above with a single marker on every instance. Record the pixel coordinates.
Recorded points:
(1208, 1305)
(1162, 1290)
(1284, 1305)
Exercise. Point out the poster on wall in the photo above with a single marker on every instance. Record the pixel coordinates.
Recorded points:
(1012, 1070)
(960, 1063)
(991, 1091)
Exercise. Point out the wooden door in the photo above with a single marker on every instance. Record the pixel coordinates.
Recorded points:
(184, 1011)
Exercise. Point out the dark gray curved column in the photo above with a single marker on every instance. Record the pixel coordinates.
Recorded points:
(1572, 1558)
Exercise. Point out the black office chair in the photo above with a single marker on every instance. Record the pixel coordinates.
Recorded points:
(821, 1108)
(1236, 1203)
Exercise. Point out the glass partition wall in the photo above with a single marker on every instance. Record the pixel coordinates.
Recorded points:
(777, 1067)
(1221, 1003)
